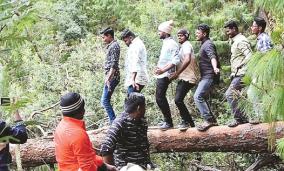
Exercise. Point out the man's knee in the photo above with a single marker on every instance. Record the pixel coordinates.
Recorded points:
(198, 97)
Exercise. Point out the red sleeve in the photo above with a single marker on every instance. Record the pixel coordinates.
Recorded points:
(85, 154)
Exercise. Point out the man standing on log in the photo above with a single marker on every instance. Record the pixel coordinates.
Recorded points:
(126, 140)
(112, 77)
(240, 54)
(166, 65)
(209, 67)
(14, 135)
(263, 45)
(135, 62)
(187, 73)
(73, 148)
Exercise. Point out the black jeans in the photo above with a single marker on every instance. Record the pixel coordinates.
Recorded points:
(182, 89)
(161, 99)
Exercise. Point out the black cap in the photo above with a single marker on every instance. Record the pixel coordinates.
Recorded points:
(107, 30)
(71, 104)
(183, 32)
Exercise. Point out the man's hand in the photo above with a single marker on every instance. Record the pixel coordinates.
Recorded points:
(107, 83)
(111, 167)
(158, 71)
(135, 86)
(240, 66)
(173, 76)
(216, 70)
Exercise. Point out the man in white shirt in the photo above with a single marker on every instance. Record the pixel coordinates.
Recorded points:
(187, 73)
(166, 65)
(135, 62)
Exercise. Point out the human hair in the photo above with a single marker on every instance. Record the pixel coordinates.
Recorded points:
(133, 101)
(260, 22)
(127, 33)
(231, 24)
(184, 32)
(107, 31)
(204, 28)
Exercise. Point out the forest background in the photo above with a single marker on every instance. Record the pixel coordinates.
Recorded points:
(49, 47)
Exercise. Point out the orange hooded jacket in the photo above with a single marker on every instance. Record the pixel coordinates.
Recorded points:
(73, 148)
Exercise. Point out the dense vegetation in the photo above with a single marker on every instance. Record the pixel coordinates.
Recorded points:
(48, 47)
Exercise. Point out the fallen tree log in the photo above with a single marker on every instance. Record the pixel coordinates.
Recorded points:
(245, 138)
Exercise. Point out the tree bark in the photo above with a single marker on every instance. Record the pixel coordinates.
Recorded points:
(245, 138)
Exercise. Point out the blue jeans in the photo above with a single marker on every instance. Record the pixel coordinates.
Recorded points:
(200, 98)
(131, 89)
(106, 96)
(232, 95)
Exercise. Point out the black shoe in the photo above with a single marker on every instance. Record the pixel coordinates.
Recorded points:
(166, 126)
(206, 125)
(183, 126)
(235, 123)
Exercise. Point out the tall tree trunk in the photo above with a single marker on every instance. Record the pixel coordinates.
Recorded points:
(245, 138)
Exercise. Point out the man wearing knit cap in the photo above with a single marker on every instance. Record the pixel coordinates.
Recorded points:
(187, 74)
(73, 148)
(166, 65)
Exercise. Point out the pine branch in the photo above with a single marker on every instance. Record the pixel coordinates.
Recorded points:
(34, 44)
(43, 110)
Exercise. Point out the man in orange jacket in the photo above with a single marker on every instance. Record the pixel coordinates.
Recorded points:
(73, 148)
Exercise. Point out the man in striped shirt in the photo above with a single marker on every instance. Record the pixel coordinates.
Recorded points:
(126, 140)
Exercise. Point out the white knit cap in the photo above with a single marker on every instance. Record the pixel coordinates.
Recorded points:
(131, 167)
(166, 26)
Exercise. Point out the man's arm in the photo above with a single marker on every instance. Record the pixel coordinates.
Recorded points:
(114, 58)
(19, 131)
(174, 62)
(186, 61)
(210, 51)
(247, 52)
(109, 144)
(83, 151)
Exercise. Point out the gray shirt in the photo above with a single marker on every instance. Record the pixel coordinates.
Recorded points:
(207, 52)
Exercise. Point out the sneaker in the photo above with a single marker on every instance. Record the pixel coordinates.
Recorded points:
(183, 126)
(206, 125)
(160, 123)
(254, 121)
(235, 123)
(166, 126)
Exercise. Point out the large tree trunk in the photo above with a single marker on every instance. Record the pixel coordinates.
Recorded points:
(244, 138)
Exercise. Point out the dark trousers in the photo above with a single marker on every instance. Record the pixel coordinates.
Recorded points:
(182, 89)
(161, 99)
(232, 95)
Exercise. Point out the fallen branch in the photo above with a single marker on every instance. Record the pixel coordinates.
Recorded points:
(244, 138)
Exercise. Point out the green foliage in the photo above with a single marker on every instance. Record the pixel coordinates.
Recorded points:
(53, 47)
(280, 148)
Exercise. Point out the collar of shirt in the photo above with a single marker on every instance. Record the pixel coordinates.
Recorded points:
(74, 121)
(204, 40)
(108, 45)
(236, 37)
(261, 35)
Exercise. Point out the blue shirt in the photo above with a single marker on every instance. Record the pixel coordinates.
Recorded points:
(17, 132)
(264, 42)
(168, 55)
